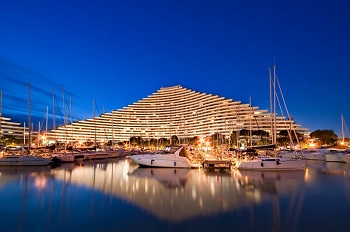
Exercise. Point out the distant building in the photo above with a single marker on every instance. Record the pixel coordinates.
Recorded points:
(173, 111)
(15, 129)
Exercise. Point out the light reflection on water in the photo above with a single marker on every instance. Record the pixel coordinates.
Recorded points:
(116, 195)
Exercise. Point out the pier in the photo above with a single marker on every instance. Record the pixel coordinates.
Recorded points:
(217, 164)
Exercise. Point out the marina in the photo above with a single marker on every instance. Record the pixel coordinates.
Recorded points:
(102, 195)
(171, 141)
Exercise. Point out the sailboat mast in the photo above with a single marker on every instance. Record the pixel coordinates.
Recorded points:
(93, 105)
(53, 113)
(38, 140)
(64, 119)
(53, 109)
(71, 110)
(271, 111)
(29, 124)
(342, 128)
(250, 121)
(47, 118)
(274, 105)
(112, 130)
(0, 113)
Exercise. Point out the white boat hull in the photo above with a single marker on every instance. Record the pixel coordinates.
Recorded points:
(335, 158)
(314, 156)
(161, 161)
(346, 158)
(271, 164)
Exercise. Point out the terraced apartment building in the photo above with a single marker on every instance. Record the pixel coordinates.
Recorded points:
(174, 111)
(14, 129)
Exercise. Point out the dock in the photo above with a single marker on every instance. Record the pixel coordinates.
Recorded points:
(217, 164)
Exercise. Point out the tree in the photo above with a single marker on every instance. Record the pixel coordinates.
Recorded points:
(195, 141)
(284, 137)
(163, 142)
(326, 137)
(136, 141)
(10, 139)
(174, 139)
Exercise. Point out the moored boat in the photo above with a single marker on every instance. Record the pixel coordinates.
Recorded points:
(112, 154)
(174, 156)
(24, 160)
(270, 164)
(314, 154)
(346, 158)
(335, 155)
(64, 157)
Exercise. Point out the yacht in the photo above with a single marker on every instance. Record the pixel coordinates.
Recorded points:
(24, 160)
(335, 155)
(173, 156)
(314, 154)
(346, 157)
(270, 164)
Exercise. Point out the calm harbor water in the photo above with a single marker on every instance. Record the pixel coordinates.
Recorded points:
(116, 195)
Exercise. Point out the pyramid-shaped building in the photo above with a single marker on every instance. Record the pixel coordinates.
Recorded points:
(174, 111)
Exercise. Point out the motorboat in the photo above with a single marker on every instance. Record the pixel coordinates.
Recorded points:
(24, 160)
(270, 164)
(346, 158)
(318, 154)
(173, 156)
(335, 155)
(64, 157)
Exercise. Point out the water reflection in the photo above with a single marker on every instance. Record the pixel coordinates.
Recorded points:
(94, 190)
(169, 177)
(329, 168)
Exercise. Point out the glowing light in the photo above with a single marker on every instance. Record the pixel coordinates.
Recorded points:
(40, 182)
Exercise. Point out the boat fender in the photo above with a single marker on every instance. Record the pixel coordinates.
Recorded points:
(262, 164)
(278, 162)
(152, 162)
(174, 164)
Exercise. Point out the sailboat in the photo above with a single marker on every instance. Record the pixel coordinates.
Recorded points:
(338, 155)
(25, 160)
(270, 163)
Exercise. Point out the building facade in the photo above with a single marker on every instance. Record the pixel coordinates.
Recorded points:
(173, 111)
(13, 129)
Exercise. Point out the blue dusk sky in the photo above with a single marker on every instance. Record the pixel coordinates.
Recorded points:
(117, 52)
